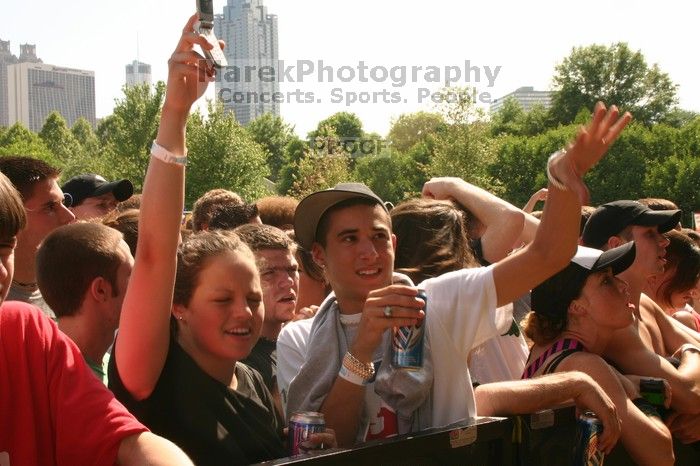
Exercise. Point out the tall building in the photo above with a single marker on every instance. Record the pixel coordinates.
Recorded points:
(36, 89)
(138, 73)
(6, 59)
(27, 54)
(251, 35)
(527, 97)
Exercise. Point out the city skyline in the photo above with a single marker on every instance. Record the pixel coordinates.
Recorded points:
(32, 89)
(252, 33)
(526, 41)
(137, 72)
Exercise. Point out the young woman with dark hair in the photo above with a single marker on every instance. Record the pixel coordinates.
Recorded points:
(679, 284)
(190, 315)
(431, 240)
(574, 314)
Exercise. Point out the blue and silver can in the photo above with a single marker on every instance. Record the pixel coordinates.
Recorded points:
(586, 452)
(301, 425)
(407, 342)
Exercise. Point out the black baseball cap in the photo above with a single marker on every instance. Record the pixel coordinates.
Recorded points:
(611, 218)
(552, 297)
(310, 210)
(82, 187)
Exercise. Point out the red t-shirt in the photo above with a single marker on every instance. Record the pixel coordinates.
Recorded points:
(53, 410)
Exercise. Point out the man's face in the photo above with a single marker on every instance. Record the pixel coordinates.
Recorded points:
(94, 207)
(651, 250)
(359, 252)
(279, 277)
(45, 213)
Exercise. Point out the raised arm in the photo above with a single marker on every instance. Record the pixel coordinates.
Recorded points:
(503, 221)
(557, 235)
(540, 195)
(142, 343)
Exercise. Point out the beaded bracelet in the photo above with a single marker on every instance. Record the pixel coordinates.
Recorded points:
(363, 370)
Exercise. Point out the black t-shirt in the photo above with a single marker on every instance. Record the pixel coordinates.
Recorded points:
(263, 358)
(212, 423)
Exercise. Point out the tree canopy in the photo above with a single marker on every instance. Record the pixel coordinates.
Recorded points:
(612, 74)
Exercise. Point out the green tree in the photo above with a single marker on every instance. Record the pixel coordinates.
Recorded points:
(678, 117)
(126, 135)
(59, 139)
(676, 178)
(536, 121)
(91, 158)
(319, 171)
(393, 176)
(272, 133)
(465, 148)
(519, 165)
(84, 134)
(319, 166)
(343, 125)
(18, 140)
(222, 154)
(690, 134)
(414, 128)
(508, 119)
(294, 152)
(615, 75)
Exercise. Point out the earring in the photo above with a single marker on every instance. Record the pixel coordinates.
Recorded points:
(179, 318)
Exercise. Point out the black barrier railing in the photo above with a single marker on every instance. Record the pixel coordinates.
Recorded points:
(545, 438)
(484, 441)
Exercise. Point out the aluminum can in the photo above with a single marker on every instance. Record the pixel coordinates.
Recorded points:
(407, 343)
(588, 429)
(653, 390)
(301, 425)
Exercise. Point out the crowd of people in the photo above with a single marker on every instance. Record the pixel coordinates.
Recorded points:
(132, 335)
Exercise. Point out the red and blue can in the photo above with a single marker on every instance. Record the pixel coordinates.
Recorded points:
(588, 430)
(407, 342)
(301, 426)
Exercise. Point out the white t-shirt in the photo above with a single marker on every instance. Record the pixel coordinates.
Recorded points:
(461, 315)
(500, 358)
(291, 352)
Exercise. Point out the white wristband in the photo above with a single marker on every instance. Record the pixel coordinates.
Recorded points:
(351, 377)
(553, 180)
(161, 153)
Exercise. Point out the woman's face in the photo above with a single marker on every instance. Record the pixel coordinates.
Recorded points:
(607, 300)
(224, 317)
(682, 297)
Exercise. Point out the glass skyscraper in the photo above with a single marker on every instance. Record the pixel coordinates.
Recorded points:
(250, 34)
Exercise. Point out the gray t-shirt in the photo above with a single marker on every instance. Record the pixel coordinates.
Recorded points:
(34, 298)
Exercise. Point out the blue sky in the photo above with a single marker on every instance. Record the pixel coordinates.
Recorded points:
(526, 39)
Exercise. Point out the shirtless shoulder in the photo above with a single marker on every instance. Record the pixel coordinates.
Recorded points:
(624, 344)
(649, 328)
